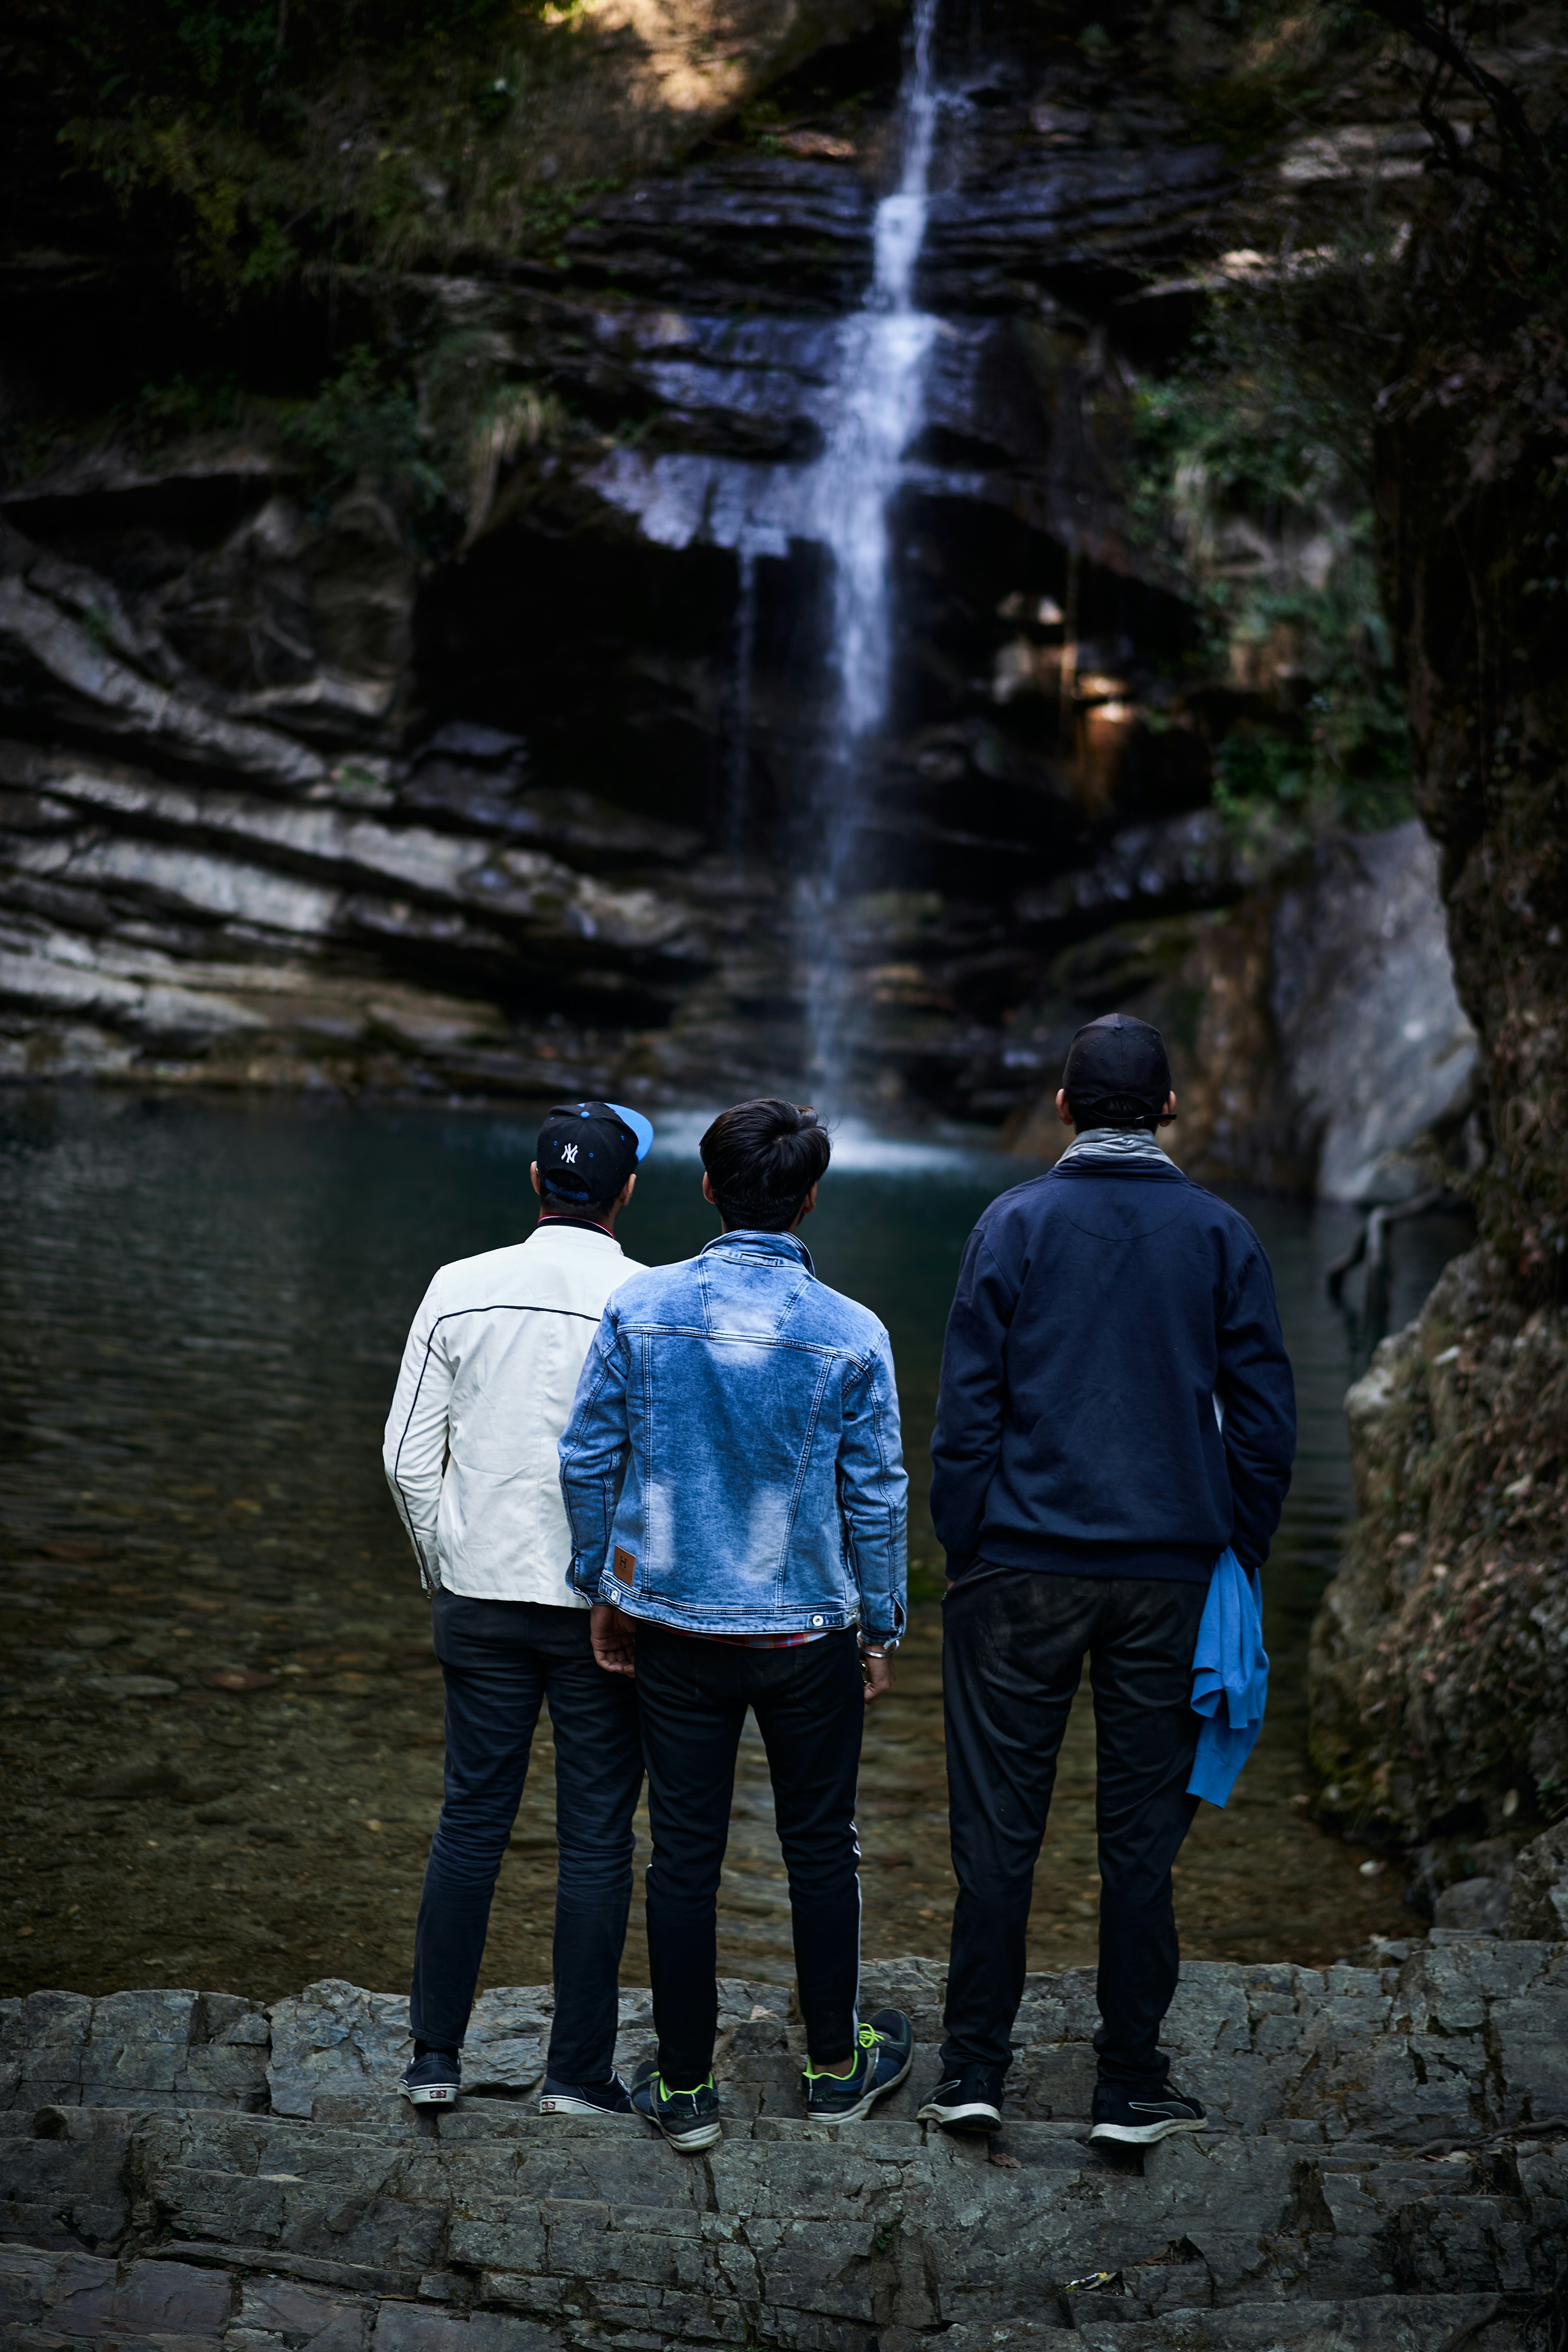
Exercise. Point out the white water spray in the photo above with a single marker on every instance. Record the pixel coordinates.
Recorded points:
(876, 414)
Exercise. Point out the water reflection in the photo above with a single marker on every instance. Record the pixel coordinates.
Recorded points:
(220, 1720)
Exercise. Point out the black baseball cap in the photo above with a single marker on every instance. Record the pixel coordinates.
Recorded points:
(1117, 1060)
(587, 1150)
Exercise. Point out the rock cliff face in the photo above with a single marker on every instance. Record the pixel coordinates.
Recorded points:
(1441, 1654)
(1316, 1038)
(1439, 1668)
(289, 798)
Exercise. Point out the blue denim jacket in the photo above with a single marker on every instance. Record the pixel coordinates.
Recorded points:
(732, 1462)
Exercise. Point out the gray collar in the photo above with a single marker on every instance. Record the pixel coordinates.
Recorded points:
(1108, 1144)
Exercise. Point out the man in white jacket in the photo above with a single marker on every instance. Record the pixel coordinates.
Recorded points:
(487, 1384)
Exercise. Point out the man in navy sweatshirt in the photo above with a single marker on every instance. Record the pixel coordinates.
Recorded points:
(1115, 1408)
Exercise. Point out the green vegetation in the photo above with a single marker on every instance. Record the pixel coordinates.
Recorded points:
(1254, 471)
(272, 142)
(1437, 227)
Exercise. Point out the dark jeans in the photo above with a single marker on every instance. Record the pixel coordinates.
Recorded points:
(810, 1707)
(1013, 1647)
(501, 1659)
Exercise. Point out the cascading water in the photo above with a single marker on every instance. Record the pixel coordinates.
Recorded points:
(874, 414)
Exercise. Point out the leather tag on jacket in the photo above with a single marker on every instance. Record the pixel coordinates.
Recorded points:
(625, 1565)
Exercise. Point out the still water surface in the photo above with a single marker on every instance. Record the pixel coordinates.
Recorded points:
(220, 1712)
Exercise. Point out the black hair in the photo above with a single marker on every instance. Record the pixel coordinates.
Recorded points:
(762, 1159)
(1116, 1110)
(568, 1207)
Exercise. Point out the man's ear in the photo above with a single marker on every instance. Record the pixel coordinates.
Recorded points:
(707, 1190)
(534, 1172)
(1064, 1108)
(624, 1196)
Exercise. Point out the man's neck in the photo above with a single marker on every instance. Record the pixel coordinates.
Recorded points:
(570, 1217)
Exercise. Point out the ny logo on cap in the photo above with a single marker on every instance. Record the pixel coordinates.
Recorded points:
(569, 1154)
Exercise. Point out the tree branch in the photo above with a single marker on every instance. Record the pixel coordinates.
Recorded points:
(1514, 126)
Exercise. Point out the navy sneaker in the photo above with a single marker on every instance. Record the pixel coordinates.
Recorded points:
(1139, 2122)
(433, 2081)
(688, 2119)
(611, 2098)
(885, 2052)
(969, 2101)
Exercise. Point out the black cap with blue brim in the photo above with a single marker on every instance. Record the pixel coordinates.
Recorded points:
(587, 1150)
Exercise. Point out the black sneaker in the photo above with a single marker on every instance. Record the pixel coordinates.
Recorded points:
(433, 2081)
(1139, 2122)
(611, 2098)
(969, 2101)
(688, 2119)
(884, 2053)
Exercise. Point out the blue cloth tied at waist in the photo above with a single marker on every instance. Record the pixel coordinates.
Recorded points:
(1230, 1678)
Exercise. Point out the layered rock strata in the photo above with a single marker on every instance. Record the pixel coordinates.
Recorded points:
(294, 795)
(1388, 2165)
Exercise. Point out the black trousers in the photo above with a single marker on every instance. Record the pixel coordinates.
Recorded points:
(1013, 1648)
(810, 1707)
(501, 1660)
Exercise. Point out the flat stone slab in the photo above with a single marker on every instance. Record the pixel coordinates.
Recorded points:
(1387, 2172)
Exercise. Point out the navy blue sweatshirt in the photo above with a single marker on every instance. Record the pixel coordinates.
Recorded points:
(1101, 1312)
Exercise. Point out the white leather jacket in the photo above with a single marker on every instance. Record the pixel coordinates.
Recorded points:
(486, 1384)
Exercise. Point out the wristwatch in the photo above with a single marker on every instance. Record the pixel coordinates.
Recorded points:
(882, 1648)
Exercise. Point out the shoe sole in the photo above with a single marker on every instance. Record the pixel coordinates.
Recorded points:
(700, 2136)
(974, 2115)
(433, 2095)
(862, 2107)
(1145, 2135)
(555, 2103)
(689, 2143)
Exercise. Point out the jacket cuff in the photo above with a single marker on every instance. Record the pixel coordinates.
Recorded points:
(580, 1583)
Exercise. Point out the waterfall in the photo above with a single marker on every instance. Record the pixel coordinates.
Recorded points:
(873, 415)
(738, 811)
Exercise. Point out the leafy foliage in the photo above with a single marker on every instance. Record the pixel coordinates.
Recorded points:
(274, 141)
(1253, 468)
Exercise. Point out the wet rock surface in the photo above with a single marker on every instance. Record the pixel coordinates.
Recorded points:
(1387, 2166)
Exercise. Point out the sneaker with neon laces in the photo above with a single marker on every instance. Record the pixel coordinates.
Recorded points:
(688, 2119)
(884, 2053)
(1116, 2116)
(611, 2098)
(433, 2079)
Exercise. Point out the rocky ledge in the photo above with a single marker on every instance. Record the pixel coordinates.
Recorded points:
(1388, 2168)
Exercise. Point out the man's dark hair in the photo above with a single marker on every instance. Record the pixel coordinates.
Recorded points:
(559, 1204)
(1116, 1110)
(762, 1159)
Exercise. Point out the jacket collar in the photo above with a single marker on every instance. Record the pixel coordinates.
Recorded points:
(744, 1241)
(574, 1235)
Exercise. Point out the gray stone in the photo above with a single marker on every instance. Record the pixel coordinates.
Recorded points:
(1378, 1048)
(335, 2037)
(1407, 2163)
(70, 668)
(286, 2311)
(62, 2183)
(1477, 1903)
(132, 2049)
(1538, 1894)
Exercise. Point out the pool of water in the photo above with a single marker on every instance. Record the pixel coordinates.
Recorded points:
(220, 1721)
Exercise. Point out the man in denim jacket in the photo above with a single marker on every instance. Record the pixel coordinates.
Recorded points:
(734, 1479)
